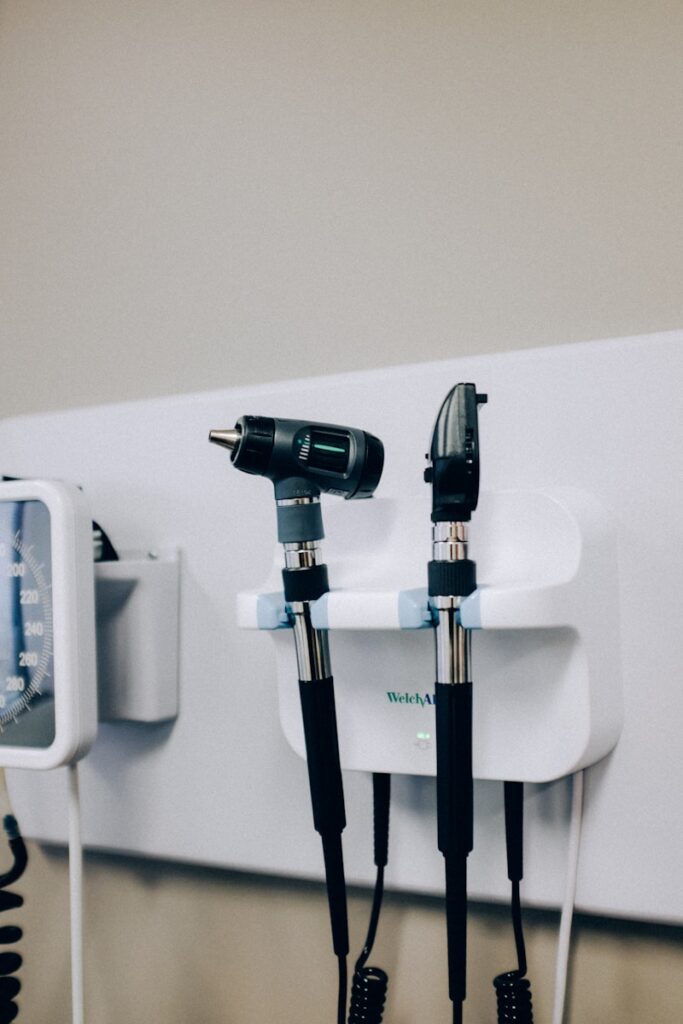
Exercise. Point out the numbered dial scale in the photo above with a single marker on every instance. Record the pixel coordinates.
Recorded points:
(48, 707)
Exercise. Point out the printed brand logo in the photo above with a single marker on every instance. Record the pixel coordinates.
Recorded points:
(411, 698)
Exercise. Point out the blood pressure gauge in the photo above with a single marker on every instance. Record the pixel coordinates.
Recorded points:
(48, 696)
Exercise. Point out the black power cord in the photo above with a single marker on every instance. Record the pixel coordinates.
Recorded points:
(369, 988)
(513, 990)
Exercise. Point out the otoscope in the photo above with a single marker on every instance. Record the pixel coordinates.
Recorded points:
(303, 459)
(454, 477)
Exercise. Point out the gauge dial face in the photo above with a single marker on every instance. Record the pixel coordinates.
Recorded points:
(27, 713)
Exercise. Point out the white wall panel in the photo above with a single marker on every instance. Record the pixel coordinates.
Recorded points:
(221, 785)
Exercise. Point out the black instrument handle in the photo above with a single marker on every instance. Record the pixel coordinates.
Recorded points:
(454, 768)
(327, 796)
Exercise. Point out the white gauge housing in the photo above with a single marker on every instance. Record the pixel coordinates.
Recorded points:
(74, 672)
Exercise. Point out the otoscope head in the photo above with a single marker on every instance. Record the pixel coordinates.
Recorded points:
(304, 458)
(454, 454)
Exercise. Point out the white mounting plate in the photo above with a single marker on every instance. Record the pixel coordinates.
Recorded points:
(221, 785)
(546, 664)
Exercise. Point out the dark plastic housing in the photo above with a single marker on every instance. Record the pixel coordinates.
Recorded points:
(454, 454)
(304, 459)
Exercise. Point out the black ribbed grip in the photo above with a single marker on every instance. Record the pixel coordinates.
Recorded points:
(305, 584)
(452, 579)
(454, 767)
(322, 754)
(256, 444)
(327, 796)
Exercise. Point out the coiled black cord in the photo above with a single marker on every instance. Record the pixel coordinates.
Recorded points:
(10, 962)
(369, 987)
(514, 999)
(513, 990)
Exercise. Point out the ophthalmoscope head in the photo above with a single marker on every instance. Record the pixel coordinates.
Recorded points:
(304, 458)
(454, 456)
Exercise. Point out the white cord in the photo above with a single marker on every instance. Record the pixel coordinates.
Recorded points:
(76, 896)
(5, 805)
(564, 938)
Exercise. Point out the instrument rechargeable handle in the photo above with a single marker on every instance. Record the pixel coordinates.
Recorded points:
(327, 796)
(322, 754)
(454, 786)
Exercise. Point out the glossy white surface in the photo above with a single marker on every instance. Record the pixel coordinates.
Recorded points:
(547, 663)
(221, 785)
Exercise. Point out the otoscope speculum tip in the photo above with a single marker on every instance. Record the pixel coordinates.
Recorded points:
(225, 438)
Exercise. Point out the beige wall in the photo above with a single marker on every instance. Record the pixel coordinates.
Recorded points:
(206, 192)
(177, 945)
(199, 193)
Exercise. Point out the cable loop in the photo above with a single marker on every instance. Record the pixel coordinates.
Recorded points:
(513, 995)
(368, 995)
(10, 961)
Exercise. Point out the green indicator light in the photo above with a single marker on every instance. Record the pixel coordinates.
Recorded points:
(424, 736)
(329, 448)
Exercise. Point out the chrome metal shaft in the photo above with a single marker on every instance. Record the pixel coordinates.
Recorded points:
(453, 647)
(312, 646)
(453, 643)
(302, 554)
